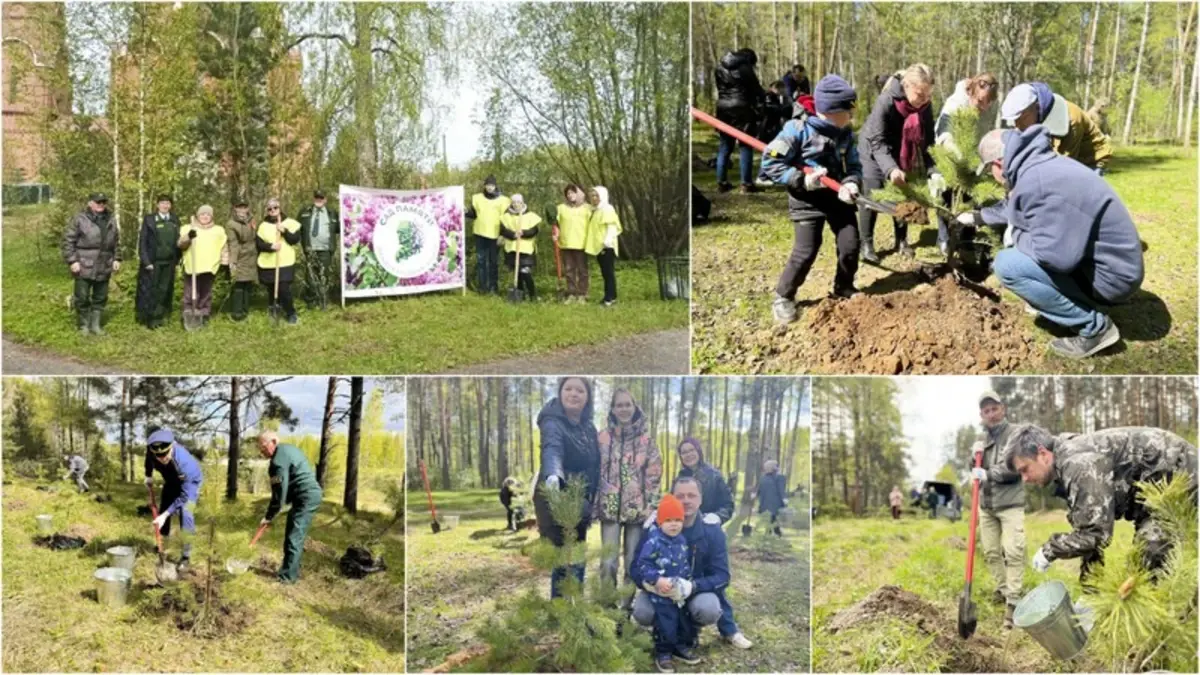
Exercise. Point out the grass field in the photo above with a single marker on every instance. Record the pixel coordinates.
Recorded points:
(416, 334)
(737, 259)
(324, 623)
(852, 558)
(458, 578)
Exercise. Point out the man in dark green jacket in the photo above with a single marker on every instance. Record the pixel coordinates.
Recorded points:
(319, 234)
(158, 254)
(90, 248)
(1001, 507)
(293, 482)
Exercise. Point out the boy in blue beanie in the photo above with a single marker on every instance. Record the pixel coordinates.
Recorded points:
(824, 143)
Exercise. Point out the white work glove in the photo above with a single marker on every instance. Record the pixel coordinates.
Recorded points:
(553, 482)
(711, 519)
(682, 591)
(161, 520)
(1008, 237)
(966, 218)
(1040, 563)
(848, 193)
(610, 237)
(149, 480)
(649, 521)
(785, 503)
(937, 185)
(979, 475)
(812, 180)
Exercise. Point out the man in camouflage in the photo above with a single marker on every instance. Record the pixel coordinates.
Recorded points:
(1001, 507)
(1098, 475)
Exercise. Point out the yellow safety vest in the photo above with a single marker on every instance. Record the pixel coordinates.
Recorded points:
(597, 227)
(525, 221)
(206, 247)
(287, 253)
(487, 214)
(572, 226)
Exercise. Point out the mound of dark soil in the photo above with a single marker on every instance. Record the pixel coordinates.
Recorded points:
(184, 603)
(943, 328)
(912, 213)
(60, 542)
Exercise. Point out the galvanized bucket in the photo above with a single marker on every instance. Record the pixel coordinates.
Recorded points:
(45, 524)
(112, 585)
(448, 522)
(121, 556)
(1047, 615)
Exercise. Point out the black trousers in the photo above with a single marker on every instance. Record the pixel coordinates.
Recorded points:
(808, 220)
(608, 269)
(866, 217)
(525, 275)
(286, 301)
(90, 295)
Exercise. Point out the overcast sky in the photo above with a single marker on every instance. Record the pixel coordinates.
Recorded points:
(933, 407)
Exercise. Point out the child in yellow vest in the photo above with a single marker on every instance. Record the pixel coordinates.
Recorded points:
(204, 249)
(485, 209)
(570, 231)
(277, 241)
(519, 227)
(602, 231)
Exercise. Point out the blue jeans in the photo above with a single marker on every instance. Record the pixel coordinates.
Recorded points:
(1055, 296)
(725, 150)
(559, 574)
(486, 270)
(668, 626)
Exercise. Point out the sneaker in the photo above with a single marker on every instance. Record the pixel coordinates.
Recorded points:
(184, 563)
(664, 663)
(687, 655)
(738, 640)
(784, 310)
(747, 188)
(1080, 347)
(609, 303)
(763, 183)
(944, 247)
(1008, 616)
(1030, 310)
(724, 187)
(293, 320)
(905, 250)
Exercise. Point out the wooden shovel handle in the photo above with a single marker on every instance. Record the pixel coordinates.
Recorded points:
(261, 528)
(154, 513)
(278, 238)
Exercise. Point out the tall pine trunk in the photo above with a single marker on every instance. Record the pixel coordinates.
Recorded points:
(502, 434)
(1137, 73)
(327, 431)
(350, 496)
(1091, 56)
(235, 441)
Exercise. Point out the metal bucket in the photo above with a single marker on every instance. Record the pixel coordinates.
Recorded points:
(448, 522)
(112, 585)
(45, 524)
(1047, 615)
(121, 556)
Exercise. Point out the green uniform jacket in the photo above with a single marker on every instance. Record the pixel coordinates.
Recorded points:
(92, 240)
(306, 218)
(243, 253)
(292, 479)
(1003, 489)
(1097, 475)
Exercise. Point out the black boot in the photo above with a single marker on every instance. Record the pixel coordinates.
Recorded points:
(95, 321)
(868, 252)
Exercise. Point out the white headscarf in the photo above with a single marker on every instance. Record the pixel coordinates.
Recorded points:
(602, 193)
(517, 204)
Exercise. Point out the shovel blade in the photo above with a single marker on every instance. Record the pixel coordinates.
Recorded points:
(192, 321)
(516, 295)
(435, 526)
(967, 619)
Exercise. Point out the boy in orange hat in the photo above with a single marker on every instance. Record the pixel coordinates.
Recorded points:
(662, 564)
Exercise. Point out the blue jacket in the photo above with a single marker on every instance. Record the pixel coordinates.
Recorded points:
(708, 557)
(182, 476)
(812, 142)
(661, 556)
(568, 448)
(1066, 218)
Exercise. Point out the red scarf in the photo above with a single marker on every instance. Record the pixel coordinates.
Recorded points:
(912, 138)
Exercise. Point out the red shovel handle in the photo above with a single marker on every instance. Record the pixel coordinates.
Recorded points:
(261, 528)
(154, 514)
(428, 492)
(750, 141)
(974, 520)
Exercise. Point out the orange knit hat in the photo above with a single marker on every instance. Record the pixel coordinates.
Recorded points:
(669, 508)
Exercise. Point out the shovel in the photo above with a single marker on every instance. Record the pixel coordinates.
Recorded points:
(276, 311)
(435, 525)
(237, 566)
(967, 618)
(560, 292)
(515, 294)
(192, 320)
(164, 571)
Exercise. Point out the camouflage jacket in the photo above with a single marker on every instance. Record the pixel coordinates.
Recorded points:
(1097, 474)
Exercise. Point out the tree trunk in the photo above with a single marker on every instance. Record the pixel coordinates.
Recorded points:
(364, 94)
(819, 17)
(485, 456)
(1137, 73)
(235, 442)
(327, 431)
(1112, 64)
(124, 412)
(443, 417)
(502, 434)
(779, 67)
(725, 418)
(1183, 84)
(754, 441)
(795, 32)
(837, 29)
(1191, 104)
(1090, 56)
(350, 498)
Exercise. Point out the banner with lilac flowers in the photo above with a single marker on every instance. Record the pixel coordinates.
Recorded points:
(401, 242)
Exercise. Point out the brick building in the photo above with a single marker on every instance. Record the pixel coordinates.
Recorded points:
(35, 85)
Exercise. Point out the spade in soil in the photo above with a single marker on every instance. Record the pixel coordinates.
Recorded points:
(435, 525)
(967, 619)
(166, 572)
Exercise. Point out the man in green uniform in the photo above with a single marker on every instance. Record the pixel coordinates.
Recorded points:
(1001, 508)
(292, 481)
(319, 235)
(158, 255)
(1098, 474)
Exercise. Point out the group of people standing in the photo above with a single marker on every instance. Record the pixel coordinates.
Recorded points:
(584, 225)
(266, 251)
(622, 470)
(1071, 246)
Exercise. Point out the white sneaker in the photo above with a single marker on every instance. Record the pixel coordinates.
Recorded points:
(1030, 310)
(738, 640)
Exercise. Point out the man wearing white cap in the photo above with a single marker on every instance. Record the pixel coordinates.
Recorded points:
(1072, 245)
(1073, 134)
(1001, 507)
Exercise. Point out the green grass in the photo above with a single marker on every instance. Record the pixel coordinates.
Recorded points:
(458, 578)
(737, 260)
(852, 558)
(415, 334)
(325, 623)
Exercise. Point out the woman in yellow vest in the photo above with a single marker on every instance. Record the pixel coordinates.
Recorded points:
(204, 251)
(603, 229)
(486, 208)
(278, 237)
(570, 231)
(519, 227)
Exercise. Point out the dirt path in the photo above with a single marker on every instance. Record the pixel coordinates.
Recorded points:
(659, 353)
(22, 360)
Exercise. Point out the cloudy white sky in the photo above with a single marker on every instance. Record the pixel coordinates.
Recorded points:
(931, 408)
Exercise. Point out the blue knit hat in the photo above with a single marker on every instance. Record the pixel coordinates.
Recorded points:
(834, 94)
